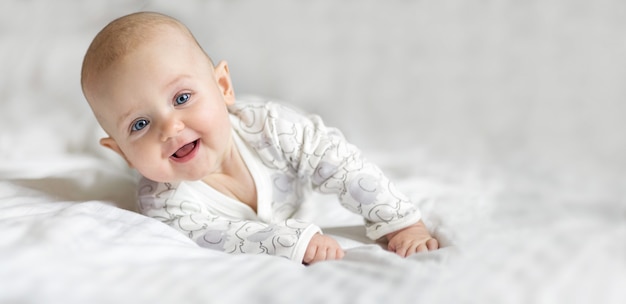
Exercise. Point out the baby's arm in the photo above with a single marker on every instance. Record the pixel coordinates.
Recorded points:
(180, 209)
(412, 239)
(322, 248)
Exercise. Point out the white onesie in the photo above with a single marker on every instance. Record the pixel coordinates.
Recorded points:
(288, 154)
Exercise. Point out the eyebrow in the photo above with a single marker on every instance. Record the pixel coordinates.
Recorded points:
(123, 118)
(176, 80)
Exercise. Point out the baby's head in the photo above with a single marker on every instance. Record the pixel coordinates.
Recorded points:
(158, 96)
(121, 37)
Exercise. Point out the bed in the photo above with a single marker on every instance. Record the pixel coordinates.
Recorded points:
(503, 120)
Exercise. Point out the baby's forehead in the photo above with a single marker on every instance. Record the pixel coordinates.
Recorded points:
(126, 34)
(123, 41)
(110, 48)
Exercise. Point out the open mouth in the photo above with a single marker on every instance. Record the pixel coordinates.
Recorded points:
(185, 152)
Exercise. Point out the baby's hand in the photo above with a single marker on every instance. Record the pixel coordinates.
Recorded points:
(412, 239)
(322, 248)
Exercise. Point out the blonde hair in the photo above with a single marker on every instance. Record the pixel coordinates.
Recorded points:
(123, 35)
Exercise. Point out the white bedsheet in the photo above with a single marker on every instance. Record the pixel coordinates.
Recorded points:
(520, 174)
(59, 247)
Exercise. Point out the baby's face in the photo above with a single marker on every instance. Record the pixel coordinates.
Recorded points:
(164, 107)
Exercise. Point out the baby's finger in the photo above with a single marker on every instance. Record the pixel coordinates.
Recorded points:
(412, 249)
(320, 255)
(340, 254)
(337, 254)
(331, 254)
(401, 250)
(309, 255)
(432, 244)
(422, 248)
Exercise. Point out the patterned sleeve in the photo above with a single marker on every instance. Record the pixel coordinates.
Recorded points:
(163, 201)
(321, 155)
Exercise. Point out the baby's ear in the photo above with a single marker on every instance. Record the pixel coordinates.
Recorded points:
(222, 76)
(111, 144)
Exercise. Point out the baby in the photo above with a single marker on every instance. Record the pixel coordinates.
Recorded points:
(231, 176)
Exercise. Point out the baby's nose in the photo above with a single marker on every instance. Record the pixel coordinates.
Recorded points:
(171, 128)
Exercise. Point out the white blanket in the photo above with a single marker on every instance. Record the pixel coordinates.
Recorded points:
(504, 122)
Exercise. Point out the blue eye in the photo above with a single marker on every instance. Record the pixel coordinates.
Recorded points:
(140, 124)
(182, 98)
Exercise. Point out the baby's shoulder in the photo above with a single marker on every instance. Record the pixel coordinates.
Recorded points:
(255, 115)
(248, 109)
